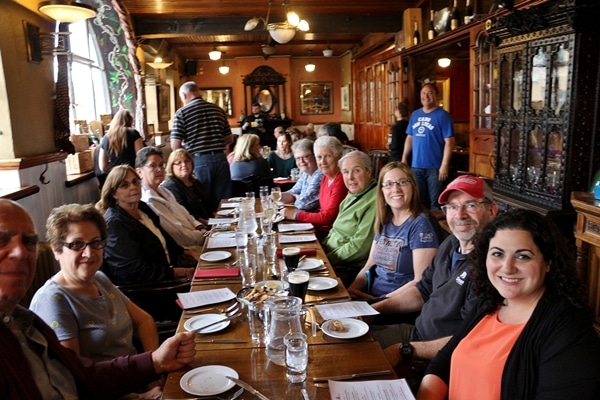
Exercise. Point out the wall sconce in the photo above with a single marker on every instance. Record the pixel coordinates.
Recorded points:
(158, 63)
(444, 62)
(214, 54)
(44, 43)
(224, 69)
(66, 11)
(281, 32)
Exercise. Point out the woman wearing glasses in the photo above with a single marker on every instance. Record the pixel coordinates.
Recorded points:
(406, 238)
(188, 190)
(86, 311)
(138, 249)
(305, 193)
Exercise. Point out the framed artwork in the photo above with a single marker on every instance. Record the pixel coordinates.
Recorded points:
(443, 87)
(220, 97)
(164, 100)
(346, 98)
(316, 98)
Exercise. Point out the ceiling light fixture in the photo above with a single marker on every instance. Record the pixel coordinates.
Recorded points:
(158, 63)
(224, 69)
(444, 62)
(328, 52)
(310, 67)
(214, 54)
(66, 11)
(281, 32)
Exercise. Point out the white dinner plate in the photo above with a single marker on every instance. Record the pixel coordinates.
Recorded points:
(209, 380)
(308, 264)
(235, 199)
(225, 213)
(277, 286)
(227, 234)
(321, 283)
(214, 256)
(200, 320)
(356, 328)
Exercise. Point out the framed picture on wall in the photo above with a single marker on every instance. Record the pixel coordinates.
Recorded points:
(346, 98)
(316, 98)
(164, 99)
(220, 97)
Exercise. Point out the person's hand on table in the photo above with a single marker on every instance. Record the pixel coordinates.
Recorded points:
(175, 352)
(289, 213)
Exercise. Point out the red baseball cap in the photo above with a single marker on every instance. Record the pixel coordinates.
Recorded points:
(472, 185)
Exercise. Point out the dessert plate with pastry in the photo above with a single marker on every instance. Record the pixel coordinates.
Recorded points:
(344, 328)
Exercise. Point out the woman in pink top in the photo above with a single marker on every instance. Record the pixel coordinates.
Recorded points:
(328, 151)
(531, 336)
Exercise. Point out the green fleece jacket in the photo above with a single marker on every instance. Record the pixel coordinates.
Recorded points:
(350, 239)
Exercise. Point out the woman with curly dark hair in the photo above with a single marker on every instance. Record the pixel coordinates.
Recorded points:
(532, 336)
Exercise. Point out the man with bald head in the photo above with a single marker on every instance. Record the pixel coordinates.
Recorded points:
(33, 362)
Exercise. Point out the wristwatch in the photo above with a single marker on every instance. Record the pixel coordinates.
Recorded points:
(406, 351)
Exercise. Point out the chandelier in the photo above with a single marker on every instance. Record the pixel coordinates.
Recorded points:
(66, 10)
(281, 32)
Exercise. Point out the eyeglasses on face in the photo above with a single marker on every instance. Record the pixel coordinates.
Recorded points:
(126, 184)
(470, 207)
(400, 182)
(155, 166)
(186, 161)
(304, 158)
(79, 245)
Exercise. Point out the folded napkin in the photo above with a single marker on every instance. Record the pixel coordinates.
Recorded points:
(303, 252)
(217, 273)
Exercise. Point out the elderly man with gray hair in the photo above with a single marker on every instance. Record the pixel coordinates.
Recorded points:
(349, 240)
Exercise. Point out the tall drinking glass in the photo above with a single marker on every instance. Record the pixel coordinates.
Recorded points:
(296, 357)
(276, 194)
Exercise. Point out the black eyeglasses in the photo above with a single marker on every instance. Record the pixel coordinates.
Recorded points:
(126, 184)
(303, 158)
(79, 245)
(155, 166)
(470, 207)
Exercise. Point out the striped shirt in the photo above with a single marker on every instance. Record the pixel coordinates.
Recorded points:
(201, 126)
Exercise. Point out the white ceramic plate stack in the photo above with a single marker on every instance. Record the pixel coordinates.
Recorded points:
(209, 380)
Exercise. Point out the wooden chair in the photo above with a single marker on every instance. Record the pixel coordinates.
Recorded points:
(379, 158)
(158, 300)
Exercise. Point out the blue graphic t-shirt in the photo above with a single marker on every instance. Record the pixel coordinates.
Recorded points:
(429, 131)
(393, 252)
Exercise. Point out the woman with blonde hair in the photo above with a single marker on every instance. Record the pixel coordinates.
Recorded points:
(182, 183)
(248, 164)
(120, 144)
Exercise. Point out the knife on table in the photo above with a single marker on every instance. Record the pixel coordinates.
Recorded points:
(248, 387)
(220, 341)
(351, 376)
(197, 330)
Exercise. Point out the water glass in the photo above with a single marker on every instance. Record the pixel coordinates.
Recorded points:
(241, 242)
(256, 322)
(276, 194)
(247, 263)
(270, 252)
(295, 174)
(250, 200)
(263, 191)
(296, 357)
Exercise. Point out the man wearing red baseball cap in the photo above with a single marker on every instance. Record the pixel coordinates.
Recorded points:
(444, 294)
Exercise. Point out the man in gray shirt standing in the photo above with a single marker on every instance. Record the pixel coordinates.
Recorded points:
(202, 129)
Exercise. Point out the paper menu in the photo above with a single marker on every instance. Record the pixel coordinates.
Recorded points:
(394, 389)
(230, 205)
(220, 242)
(347, 309)
(305, 226)
(205, 297)
(296, 238)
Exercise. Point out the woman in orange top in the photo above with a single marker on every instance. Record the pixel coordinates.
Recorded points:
(532, 336)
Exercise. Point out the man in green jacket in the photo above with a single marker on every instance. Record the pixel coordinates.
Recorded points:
(349, 241)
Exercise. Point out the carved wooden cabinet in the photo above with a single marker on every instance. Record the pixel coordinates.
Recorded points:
(587, 239)
(546, 127)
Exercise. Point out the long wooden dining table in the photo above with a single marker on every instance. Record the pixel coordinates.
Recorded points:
(327, 356)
